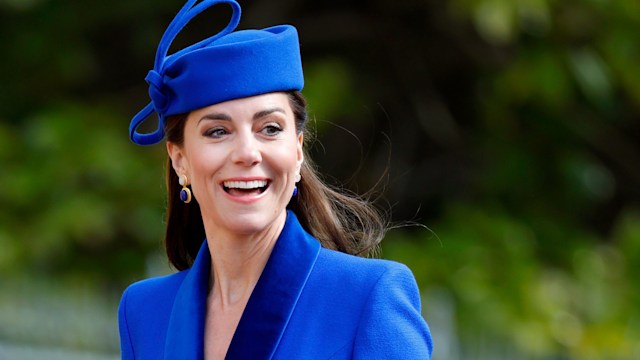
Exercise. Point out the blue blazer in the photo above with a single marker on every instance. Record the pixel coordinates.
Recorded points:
(309, 303)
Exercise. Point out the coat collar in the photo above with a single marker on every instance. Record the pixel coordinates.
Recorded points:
(268, 310)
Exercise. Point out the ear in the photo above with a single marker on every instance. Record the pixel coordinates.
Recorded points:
(300, 151)
(178, 158)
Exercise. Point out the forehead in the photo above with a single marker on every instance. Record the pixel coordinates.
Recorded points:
(247, 107)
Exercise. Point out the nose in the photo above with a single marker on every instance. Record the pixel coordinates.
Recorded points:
(246, 150)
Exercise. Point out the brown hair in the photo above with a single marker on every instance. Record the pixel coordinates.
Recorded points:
(339, 220)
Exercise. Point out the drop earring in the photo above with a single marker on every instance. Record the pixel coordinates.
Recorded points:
(185, 193)
(295, 187)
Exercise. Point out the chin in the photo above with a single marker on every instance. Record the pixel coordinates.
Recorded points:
(253, 223)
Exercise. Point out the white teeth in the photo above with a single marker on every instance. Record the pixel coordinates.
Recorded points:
(245, 184)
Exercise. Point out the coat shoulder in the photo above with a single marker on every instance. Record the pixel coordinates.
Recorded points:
(150, 295)
(367, 270)
(389, 318)
(144, 311)
(358, 308)
(155, 286)
(354, 279)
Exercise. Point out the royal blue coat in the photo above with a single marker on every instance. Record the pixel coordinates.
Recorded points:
(309, 303)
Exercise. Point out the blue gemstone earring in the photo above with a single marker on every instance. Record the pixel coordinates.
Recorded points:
(295, 187)
(185, 193)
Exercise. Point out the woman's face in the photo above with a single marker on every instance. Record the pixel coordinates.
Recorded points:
(242, 158)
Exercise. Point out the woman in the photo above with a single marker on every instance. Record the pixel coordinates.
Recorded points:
(264, 248)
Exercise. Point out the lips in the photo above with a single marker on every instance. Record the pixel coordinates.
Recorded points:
(245, 187)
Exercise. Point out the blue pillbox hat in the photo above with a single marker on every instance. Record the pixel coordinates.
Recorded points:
(228, 65)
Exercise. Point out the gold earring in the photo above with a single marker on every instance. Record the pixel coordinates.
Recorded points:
(185, 193)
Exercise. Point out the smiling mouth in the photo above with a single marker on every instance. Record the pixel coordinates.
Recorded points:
(243, 188)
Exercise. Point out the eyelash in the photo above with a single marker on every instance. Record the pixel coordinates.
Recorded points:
(268, 130)
(271, 129)
(215, 132)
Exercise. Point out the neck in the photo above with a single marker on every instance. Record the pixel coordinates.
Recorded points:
(237, 261)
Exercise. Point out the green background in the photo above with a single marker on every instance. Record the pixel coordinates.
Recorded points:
(508, 128)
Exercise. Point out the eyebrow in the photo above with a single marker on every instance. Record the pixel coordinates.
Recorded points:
(267, 112)
(256, 116)
(215, 116)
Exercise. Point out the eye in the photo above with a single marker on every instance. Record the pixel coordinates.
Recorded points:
(271, 129)
(216, 132)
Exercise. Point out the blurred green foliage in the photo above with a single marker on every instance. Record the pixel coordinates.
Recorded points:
(77, 204)
(585, 307)
(510, 128)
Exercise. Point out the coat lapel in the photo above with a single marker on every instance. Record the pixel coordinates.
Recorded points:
(276, 293)
(268, 310)
(185, 334)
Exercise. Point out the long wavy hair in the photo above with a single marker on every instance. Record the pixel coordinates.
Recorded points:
(340, 220)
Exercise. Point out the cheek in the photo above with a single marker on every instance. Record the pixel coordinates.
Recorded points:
(286, 159)
(204, 164)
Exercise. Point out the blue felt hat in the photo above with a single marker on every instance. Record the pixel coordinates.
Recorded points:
(228, 65)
